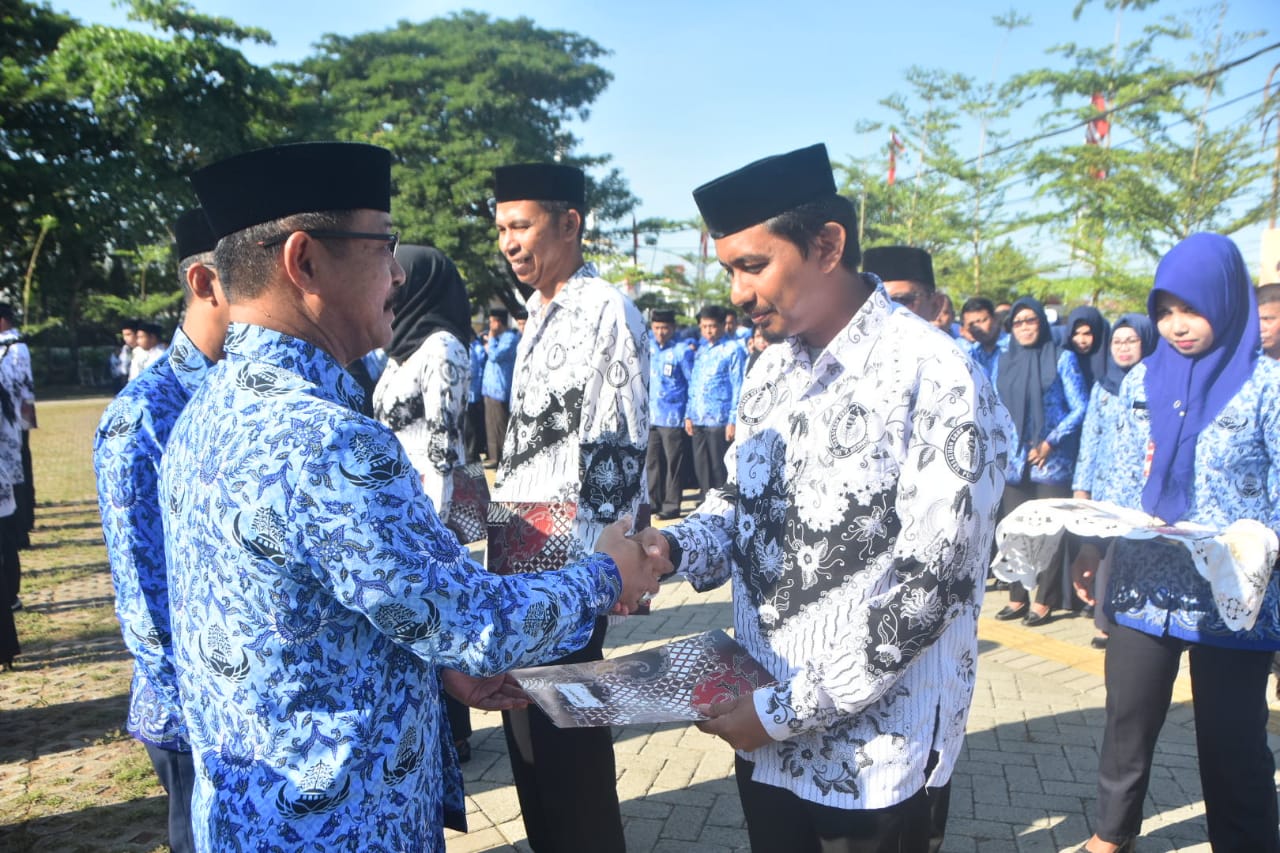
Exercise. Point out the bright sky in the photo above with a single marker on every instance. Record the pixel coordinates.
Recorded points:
(703, 87)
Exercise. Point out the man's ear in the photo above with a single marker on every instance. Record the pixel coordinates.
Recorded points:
(570, 224)
(829, 245)
(200, 281)
(302, 261)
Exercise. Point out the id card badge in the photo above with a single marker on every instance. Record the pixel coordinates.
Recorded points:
(668, 370)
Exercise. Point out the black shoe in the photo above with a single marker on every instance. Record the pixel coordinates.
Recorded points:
(463, 748)
(1010, 612)
(666, 516)
(1098, 642)
(1032, 619)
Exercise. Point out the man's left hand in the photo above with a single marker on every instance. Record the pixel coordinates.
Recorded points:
(736, 723)
(495, 693)
(729, 431)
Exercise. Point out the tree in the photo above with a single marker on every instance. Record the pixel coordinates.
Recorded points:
(105, 124)
(1125, 204)
(453, 98)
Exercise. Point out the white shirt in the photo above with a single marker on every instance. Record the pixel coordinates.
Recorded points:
(579, 413)
(855, 528)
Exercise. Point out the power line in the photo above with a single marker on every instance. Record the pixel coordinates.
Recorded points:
(1102, 114)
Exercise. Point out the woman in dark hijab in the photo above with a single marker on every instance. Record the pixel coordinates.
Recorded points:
(1198, 442)
(422, 397)
(1089, 337)
(1044, 391)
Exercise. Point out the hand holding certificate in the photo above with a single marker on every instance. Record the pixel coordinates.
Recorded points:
(659, 685)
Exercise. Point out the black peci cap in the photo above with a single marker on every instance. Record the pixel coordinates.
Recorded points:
(193, 234)
(539, 182)
(307, 177)
(900, 263)
(761, 190)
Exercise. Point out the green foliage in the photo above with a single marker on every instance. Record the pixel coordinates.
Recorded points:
(454, 98)
(102, 125)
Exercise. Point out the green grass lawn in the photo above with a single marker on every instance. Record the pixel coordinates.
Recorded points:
(71, 778)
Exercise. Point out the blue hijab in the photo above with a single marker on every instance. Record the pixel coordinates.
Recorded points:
(1185, 393)
(1147, 335)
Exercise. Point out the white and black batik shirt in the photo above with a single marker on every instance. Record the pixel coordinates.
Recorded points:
(856, 526)
(579, 406)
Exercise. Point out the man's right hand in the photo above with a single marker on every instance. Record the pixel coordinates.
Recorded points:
(639, 564)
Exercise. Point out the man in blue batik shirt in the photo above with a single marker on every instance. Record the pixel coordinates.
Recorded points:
(714, 386)
(670, 366)
(499, 365)
(127, 450)
(316, 598)
(978, 316)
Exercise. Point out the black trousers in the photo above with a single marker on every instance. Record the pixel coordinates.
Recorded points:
(496, 415)
(177, 772)
(566, 778)
(662, 464)
(1236, 767)
(1050, 589)
(459, 718)
(474, 438)
(11, 537)
(709, 448)
(24, 495)
(780, 822)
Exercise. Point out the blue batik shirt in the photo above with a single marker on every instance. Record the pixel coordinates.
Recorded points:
(127, 449)
(1095, 463)
(499, 364)
(988, 361)
(1154, 587)
(670, 368)
(716, 383)
(314, 594)
(1065, 403)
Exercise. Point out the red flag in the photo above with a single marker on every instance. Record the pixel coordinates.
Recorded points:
(1097, 129)
(895, 145)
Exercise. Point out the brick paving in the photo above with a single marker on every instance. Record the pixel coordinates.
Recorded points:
(1024, 783)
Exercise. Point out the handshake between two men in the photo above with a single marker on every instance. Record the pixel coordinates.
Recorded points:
(642, 562)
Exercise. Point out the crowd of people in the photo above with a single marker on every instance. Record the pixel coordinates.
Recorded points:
(289, 492)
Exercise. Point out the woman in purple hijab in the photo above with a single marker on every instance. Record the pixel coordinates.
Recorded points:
(1198, 441)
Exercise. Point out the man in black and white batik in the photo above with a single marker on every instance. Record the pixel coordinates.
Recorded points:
(855, 527)
(573, 462)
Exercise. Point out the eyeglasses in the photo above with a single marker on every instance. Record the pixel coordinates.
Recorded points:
(392, 239)
(906, 299)
(1027, 321)
(1126, 342)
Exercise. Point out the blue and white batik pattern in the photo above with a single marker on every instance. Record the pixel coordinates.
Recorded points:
(127, 449)
(1065, 404)
(1096, 459)
(855, 528)
(716, 382)
(314, 594)
(1237, 476)
(670, 368)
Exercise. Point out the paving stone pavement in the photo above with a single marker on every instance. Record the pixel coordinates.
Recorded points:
(1025, 782)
